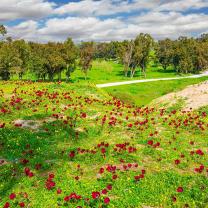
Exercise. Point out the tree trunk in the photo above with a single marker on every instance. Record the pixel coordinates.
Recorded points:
(59, 75)
(132, 72)
(85, 72)
(51, 77)
(5, 76)
(144, 70)
(68, 75)
(20, 75)
(125, 70)
(165, 67)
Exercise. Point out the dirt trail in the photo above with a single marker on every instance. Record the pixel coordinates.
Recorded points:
(149, 80)
(193, 96)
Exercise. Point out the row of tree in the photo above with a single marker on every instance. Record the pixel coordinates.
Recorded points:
(184, 55)
(43, 60)
(46, 60)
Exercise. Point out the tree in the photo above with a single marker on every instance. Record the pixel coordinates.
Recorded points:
(200, 59)
(3, 30)
(10, 60)
(140, 55)
(23, 50)
(37, 61)
(70, 55)
(54, 60)
(184, 55)
(163, 52)
(125, 51)
(86, 57)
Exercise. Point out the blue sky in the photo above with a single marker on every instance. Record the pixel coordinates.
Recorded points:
(102, 20)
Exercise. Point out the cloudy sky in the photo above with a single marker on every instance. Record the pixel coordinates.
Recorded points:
(102, 20)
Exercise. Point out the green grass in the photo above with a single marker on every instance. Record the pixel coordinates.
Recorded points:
(110, 71)
(51, 143)
(143, 93)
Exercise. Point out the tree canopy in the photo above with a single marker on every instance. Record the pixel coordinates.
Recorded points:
(46, 60)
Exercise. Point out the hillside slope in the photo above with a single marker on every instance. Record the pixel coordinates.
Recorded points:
(70, 145)
(192, 97)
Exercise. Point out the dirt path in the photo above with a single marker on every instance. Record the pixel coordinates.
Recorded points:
(149, 80)
(192, 97)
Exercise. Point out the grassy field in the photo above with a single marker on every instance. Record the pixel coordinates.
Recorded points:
(110, 71)
(72, 145)
(143, 93)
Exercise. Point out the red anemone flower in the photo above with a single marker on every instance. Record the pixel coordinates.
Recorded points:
(107, 200)
(180, 189)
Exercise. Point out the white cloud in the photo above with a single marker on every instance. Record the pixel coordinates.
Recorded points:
(171, 24)
(25, 30)
(182, 5)
(87, 24)
(79, 28)
(24, 9)
(104, 7)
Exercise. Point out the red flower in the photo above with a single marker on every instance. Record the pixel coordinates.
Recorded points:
(50, 184)
(114, 177)
(12, 196)
(101, 170)
(38, 166)
(174, 199)
(109, 187)
(180, 189)
(30, 174)
(130, 125)
(103, 150)
(199, 152)
(51, 175)
(177, 162)
(22, 204)
(7, 205)
(107, 200)
(59, 191)
(83, 115)
(66, 198)
(2, 125)
(104, 191)
(95, 195)
(150, 142)
(72, 154)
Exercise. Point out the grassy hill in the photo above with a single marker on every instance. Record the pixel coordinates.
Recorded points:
(72, 145)
(143, 93)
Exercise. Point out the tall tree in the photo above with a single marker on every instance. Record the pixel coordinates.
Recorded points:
(10, 60)
(70, 55)
(125, 51)
(23, 50)
(163, 52)
(3, 30)
(86, 57)
(140, 56)
(54, 60)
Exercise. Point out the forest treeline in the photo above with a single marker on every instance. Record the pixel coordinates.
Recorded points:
(45, 60)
